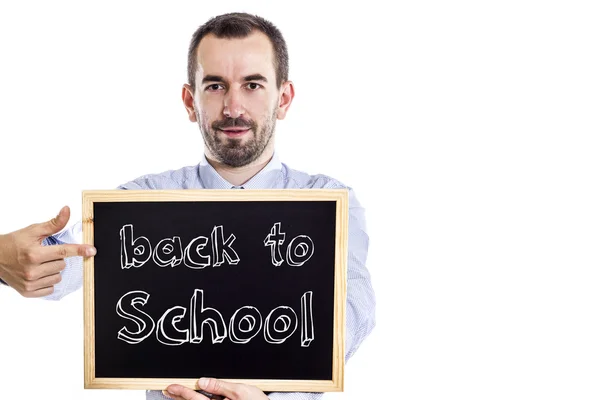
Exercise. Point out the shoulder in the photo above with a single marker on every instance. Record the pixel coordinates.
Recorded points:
(296, 179)
(182, 178)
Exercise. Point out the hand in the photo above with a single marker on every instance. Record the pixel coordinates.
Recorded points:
(31, 268)
(231, 391)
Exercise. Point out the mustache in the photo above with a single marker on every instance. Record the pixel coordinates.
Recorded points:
(233, 123)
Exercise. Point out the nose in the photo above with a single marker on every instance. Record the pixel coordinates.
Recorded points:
(233, 107)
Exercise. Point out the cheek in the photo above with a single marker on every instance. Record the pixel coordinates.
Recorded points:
(210, 104)
(205, 119)
(260, 108)
(209, 111)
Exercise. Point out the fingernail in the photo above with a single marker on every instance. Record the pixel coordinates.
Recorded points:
(166, 394)
(202, 382)
(90, 251)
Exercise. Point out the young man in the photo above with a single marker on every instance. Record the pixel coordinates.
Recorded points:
(237, 89)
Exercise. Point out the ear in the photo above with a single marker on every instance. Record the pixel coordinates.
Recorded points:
(285, 99)
(187, 95)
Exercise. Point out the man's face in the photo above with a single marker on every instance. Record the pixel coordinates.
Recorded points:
(236, 101)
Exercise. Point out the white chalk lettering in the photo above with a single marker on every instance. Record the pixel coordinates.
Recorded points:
(134, 253)
(299, 250)
(126, 308)
(168, 252)
(222, 249)
(165, 334)
(275, 239)
(307, 325)
(245, 323)
(278, 325)
(193, 258)
(248, 315)
(208, 316)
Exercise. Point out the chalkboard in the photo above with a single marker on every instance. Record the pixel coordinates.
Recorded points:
(243, 285)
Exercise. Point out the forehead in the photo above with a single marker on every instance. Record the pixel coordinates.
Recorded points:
(236, 57)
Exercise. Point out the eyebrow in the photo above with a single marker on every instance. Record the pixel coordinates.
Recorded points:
(249, 78)
(212, 78)
(255, 77)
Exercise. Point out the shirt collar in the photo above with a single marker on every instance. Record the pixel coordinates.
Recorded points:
(265, 178)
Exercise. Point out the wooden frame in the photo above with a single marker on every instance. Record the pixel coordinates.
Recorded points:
(340, 196)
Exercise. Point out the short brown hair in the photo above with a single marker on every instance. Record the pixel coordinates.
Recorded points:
(240, 25)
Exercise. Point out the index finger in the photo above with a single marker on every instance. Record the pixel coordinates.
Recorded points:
(60, 251)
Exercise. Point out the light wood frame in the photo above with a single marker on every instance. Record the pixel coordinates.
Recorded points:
(340, 196)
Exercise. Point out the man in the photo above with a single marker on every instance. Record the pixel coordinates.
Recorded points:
(237, 89)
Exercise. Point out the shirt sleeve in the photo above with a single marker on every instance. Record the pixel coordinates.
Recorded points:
(360, 297)
(72, 275)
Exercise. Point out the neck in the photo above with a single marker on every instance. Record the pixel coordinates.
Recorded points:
(239, 175)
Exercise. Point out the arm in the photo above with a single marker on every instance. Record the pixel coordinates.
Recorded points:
(19, 250)
(34, 269)
(360, 297)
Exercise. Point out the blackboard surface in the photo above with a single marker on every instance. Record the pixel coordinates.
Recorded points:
(232, 289)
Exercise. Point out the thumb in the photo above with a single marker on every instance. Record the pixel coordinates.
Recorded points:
(55, 225)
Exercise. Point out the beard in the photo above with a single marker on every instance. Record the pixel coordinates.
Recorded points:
(236, 152)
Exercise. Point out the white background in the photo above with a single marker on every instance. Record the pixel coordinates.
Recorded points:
(469, 130)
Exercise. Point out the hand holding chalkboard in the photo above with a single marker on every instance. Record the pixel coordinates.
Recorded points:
(31, 268)
(215, 389)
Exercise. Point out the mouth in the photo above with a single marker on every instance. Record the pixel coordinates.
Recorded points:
(234, 132)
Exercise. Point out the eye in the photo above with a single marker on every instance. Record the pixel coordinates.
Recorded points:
(253, 86)
(214, 87)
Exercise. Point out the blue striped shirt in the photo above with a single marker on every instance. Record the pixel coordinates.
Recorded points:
(360, 306)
